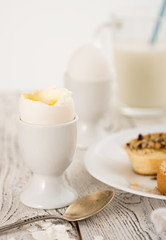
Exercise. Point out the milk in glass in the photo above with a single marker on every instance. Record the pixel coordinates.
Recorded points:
(141, 74)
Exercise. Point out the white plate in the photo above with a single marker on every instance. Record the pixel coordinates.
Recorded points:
(108, 162)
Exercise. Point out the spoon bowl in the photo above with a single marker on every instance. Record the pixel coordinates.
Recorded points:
(83, 208)
(88, 206)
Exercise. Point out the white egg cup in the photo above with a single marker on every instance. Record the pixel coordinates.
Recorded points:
(91, 100)
(48, 151)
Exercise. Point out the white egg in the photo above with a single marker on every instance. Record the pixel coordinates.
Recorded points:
(47, 107)
(88, 63)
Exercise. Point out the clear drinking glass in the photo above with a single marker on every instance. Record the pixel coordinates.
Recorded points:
(140, 65)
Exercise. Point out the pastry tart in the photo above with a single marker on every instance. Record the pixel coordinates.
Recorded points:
(146, 152)
(161, 178)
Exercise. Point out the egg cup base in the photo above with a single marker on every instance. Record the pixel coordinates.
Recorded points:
(48, 192)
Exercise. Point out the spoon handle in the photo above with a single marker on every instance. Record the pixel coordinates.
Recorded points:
(27, 221)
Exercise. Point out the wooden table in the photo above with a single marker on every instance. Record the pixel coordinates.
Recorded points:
(126, 218)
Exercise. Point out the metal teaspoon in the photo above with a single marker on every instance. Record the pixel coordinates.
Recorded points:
(83, 208)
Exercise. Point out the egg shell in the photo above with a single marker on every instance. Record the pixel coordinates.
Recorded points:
(35, 112)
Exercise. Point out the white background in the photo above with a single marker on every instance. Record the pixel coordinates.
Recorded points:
(37, 37)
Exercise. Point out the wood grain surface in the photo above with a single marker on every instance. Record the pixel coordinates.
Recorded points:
(126, 217)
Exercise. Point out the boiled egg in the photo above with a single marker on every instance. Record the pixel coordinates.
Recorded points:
(49, 106)
(88, 63)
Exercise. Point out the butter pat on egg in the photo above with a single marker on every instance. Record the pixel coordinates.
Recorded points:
(49, 106)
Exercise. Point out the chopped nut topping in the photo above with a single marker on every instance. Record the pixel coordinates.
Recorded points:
(140, 137)
(150, 141)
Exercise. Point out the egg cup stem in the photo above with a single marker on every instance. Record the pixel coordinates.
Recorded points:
(88, 132)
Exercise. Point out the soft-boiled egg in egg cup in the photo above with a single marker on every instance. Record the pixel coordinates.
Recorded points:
(47, 140)
(88, 76)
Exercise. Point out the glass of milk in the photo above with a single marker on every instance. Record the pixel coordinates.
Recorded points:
(140, 66)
